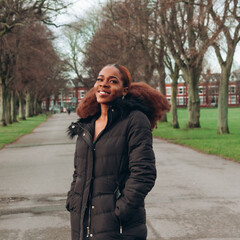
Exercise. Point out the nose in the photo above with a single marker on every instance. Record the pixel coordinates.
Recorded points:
(104, 83)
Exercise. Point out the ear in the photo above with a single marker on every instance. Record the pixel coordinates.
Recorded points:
(125, 91)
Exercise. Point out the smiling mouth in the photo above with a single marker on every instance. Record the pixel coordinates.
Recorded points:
(103, 93)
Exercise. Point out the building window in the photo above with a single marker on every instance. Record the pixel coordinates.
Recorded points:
(232, 89)
(202, 90)
(233, 99)
(169, 100)
(232, 78)
(169, 91)
(70, 94)
(202, 100)
(213, 90)
(81, 93)
(180, 101)
(180, 90)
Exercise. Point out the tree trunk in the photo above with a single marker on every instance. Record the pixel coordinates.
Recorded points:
(174, 76)
(148, 71)
(223, 101)
(13, 106)
(1, 100)
(8, 107)
(2, 116)
(223, 91)
(162, 76)
(35, 106)
(8, 112)
(3, 103)
(21, 114)
(39, 104)
(47, 104)
(28, 102)
(192, 79)
(31, 106)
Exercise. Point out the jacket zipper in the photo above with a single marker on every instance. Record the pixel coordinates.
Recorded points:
(110, 120)
(89, 234)
(120, 230)
(89, 218)
(89, 200)
(86, 167)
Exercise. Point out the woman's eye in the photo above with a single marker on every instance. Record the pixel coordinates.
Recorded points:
(99, 79)
(113, 81)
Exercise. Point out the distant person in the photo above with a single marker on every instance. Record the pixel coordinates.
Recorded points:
(114, 160)
(69, 111)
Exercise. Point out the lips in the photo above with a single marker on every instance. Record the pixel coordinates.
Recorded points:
(103, 93)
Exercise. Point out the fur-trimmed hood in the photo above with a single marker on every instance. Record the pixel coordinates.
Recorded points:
(120, 108)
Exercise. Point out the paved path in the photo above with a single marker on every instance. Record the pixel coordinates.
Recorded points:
(196, 196)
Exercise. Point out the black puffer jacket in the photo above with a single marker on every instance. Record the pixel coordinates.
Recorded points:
(113, 175)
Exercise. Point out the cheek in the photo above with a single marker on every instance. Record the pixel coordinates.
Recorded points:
(120, 91)
(95, 87)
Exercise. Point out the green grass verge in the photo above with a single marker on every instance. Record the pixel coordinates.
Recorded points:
(13, 131)
(205, 138)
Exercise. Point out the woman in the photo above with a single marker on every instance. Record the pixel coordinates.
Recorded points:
(114, 161)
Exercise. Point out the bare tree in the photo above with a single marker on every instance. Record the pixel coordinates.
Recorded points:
(184, 27)
(226, 15)
(17, 14)
(174, 74)
(110, 45)
(37, 67)
(78, 34)
(137, 20)
(6, 61)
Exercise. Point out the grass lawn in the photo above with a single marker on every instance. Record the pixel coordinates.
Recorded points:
(205, 138)
(12, 132)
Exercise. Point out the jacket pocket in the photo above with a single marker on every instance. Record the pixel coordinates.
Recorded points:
(78, 188)
(117, 193)
(69, 206)
(73, 203)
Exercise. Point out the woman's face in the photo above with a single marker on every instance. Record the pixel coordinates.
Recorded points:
(109, 85)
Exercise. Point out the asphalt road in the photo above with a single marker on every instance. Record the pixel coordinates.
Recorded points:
(196, 196)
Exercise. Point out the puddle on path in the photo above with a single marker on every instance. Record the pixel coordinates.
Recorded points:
(12, 199)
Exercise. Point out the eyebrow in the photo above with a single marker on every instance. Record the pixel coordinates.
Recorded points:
(110, 77)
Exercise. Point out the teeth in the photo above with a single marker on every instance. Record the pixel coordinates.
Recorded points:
(101, 92)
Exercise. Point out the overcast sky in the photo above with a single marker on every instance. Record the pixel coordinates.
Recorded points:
(77, 9)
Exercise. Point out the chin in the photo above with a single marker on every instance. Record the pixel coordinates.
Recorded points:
(104, 102)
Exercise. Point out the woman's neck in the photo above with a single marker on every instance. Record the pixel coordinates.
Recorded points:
(101, 122)
(104, 112)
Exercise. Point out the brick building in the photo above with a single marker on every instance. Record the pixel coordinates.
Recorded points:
(66, 98)
(208, 90)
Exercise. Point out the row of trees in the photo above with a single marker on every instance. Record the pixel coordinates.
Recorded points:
(30, 68)
(151, 37)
